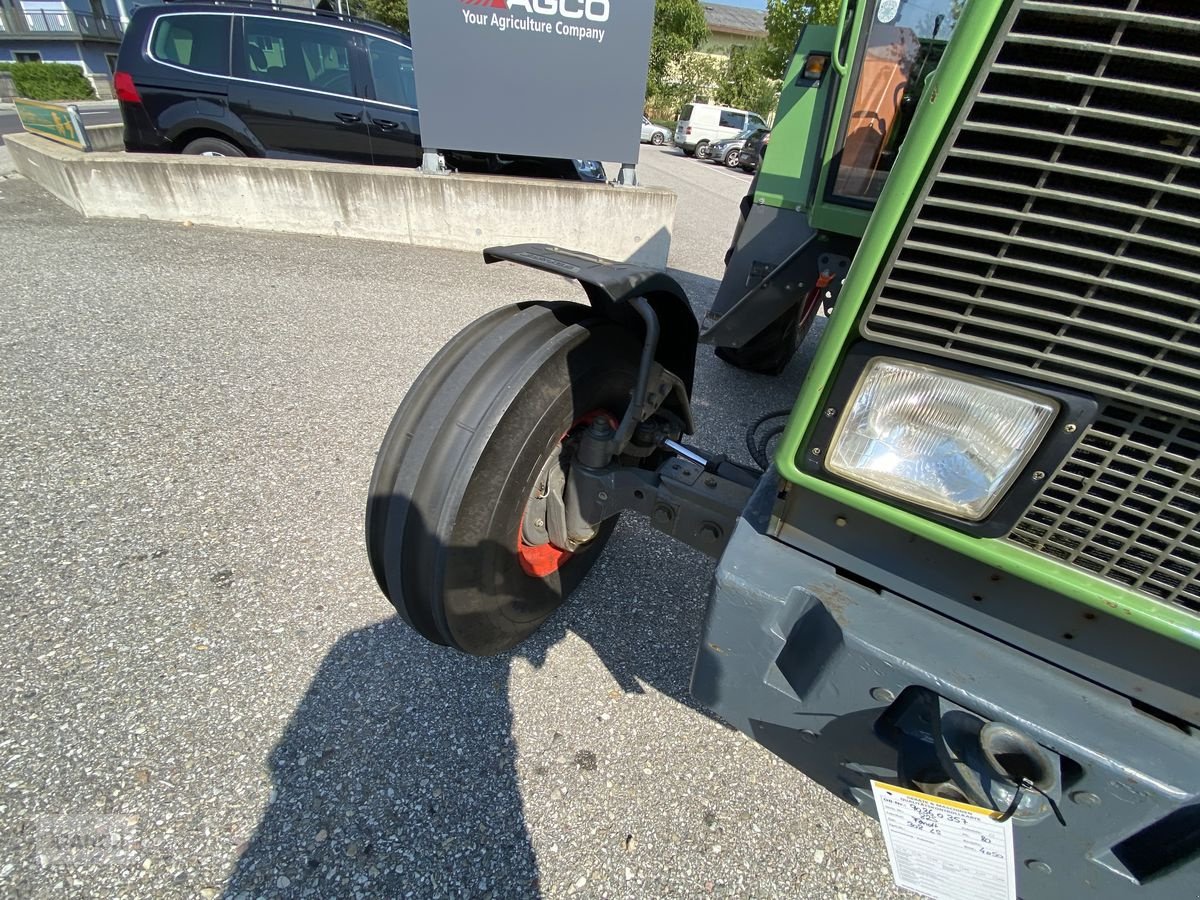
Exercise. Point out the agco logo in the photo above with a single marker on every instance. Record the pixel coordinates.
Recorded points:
(592, 10)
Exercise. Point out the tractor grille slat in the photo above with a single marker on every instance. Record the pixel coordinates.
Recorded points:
(1076, 200)
(1059, 239)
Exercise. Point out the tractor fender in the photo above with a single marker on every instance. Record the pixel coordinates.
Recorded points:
(610, 286)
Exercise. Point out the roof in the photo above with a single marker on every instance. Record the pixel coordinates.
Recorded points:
(735, 20)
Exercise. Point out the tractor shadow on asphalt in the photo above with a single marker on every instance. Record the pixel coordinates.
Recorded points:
(397, 774)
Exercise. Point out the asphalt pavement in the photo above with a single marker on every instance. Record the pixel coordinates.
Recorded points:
(204, 693)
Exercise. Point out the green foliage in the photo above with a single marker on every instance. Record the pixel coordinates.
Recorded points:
(679, 28)
(49, 81)
(745, 83)
(695, 75)
(389, 12)
(785, 18)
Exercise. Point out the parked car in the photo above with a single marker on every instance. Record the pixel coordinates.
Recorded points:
(751, 156)
(654, 134)
(728, 152)
(701, 124)
(253, 79)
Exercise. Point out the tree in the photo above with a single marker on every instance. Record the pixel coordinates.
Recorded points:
(745, 83)
(389, 12)
(784, 20)
(679, 28)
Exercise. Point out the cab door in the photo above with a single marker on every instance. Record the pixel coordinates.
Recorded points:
(391, 104)
(295, 88)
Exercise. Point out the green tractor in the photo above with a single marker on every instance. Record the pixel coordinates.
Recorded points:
(965, 593)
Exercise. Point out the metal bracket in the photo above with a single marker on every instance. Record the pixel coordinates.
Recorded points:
(433, 163)
(694, 498)
(627, 177)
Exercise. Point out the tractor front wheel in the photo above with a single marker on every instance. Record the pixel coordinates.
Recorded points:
(470, 450)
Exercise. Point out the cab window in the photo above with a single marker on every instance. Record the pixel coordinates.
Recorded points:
(904, 44)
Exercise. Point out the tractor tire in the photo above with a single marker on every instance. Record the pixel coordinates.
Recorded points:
(769, 351)
(466, 448)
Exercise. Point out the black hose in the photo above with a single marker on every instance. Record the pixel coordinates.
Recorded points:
(756, 446)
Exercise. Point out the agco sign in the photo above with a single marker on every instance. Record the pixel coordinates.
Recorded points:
(550, 79)
(545, 16)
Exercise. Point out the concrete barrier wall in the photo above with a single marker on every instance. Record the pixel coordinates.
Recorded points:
(106, 137)
(458, 212)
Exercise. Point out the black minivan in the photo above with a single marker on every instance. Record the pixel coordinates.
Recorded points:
(253, 79)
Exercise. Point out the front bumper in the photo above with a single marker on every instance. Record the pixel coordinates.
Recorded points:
(849, 683)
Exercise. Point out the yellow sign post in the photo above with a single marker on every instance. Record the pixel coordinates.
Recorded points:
(54, 121)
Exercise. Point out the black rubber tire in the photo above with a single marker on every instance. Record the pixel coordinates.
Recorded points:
(701, 151)
(731, 159)
(657, 139)
(769, 351)
(213, 147)
(458, 463)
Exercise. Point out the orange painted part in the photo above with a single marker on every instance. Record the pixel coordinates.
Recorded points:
(540, 560)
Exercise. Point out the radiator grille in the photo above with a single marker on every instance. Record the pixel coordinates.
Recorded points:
(1059, 239)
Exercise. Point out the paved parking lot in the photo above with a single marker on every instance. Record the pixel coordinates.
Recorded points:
(204, 692)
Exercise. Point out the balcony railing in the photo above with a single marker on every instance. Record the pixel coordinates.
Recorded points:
(43, 24)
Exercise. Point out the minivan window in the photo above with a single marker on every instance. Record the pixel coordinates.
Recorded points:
(200, 43)
(686, 113)
(731, 119)
(296, 54)
(392, 72)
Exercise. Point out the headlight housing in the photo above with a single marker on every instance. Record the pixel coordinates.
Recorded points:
(941, 439)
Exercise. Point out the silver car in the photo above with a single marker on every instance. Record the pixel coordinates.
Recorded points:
(654, 134)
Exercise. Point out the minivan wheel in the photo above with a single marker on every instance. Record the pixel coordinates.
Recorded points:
(657, 139)
(702, 150)
(211, 146)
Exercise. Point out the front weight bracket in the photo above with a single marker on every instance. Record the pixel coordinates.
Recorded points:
(691, 497)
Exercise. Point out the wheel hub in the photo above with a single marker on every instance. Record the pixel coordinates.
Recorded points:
(543, 542)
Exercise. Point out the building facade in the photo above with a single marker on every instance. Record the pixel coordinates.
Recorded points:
(86, 33)
(732, 26)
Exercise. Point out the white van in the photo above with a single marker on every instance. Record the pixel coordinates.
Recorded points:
(701, 124)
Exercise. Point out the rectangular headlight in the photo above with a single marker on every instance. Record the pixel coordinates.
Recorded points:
(941, 439)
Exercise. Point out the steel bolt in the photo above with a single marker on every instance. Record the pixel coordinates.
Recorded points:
(539, 523)
(710, 481)
(840, 521)
(1036, 865)
(1085, 798)
(663, 515)
(709, 531)
(882, 694)
(602, 495)
(815, 451)
(1039, 475)
(830, 413)
(1070, 429)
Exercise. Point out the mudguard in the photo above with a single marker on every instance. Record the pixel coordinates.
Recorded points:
(610, 286)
